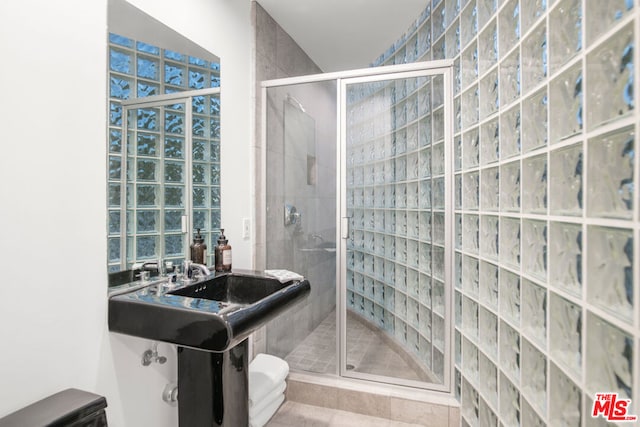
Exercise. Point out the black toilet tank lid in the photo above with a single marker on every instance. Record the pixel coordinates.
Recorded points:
(58, 410)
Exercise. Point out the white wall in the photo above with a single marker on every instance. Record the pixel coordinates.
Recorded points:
(53, 116)
(52, 197)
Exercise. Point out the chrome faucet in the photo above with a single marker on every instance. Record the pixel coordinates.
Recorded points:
(147, 265)
(158, 265)
(203, 268)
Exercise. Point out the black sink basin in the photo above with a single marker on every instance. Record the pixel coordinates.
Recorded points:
(213, 314)
(232, 289)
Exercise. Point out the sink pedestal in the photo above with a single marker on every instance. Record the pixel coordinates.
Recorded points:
(213, 388)
(210, 321)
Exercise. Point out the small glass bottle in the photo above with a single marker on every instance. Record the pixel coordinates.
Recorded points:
(199, 249)
(223, 253)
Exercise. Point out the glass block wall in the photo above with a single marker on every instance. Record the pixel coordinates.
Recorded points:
(157, 152)
(396, 201)
(545, 213)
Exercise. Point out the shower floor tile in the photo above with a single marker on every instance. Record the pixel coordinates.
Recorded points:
(367, 352)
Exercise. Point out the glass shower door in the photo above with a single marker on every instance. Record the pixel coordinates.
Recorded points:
(300, 229)
(396, 137)
(156, 182)
(172, 176)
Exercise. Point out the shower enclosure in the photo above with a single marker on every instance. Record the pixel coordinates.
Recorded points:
(358, 196)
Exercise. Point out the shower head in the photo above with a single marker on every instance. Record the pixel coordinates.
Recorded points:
(295, 102)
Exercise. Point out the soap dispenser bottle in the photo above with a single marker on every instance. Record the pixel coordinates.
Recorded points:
(223, 253)
(198, 249)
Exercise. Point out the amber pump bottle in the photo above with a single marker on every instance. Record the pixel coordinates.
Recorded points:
(223, 253)
(199, 249)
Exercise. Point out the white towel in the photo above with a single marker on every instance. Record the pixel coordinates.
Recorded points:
(284, 275)
(265, 373)
(267, 400)
(263, 417)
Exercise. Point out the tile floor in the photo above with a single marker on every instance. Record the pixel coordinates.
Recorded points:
(294, 414)
(367, 351)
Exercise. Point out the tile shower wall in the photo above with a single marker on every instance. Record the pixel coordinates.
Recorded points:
(277, 56)
(311, 189)
(545, 212)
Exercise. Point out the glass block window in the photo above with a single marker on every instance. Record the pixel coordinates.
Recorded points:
(545, 211)
(161, 145)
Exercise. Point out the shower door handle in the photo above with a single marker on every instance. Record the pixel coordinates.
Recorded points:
(344, 227)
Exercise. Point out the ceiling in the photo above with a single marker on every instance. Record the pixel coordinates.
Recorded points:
(127, 20)
(344, 34)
